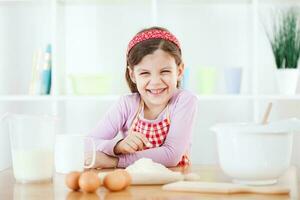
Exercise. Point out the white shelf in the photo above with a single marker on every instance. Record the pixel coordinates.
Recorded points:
(25, 1)
(58, 98)
(185, 2)
(160, 1)
(110, 2)
(278, 2)
(193, 2)
(277, 97)
(116, 97)
(225, 97)
(248, 97)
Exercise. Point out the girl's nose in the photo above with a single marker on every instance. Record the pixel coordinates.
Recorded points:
(155, 79)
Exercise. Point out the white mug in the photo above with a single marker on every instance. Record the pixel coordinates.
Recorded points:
(69, 153)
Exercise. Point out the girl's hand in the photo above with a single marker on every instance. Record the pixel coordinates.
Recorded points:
(135, 141)
(102, 160)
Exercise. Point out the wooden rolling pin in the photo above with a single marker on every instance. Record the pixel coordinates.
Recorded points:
(223, 188)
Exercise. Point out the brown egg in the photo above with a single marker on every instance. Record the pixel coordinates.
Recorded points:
(89, 181)
(72, 179)
(129, 179)
(127, 175)
(117, 180)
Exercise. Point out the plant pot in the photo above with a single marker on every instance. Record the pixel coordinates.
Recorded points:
(287, 79)
(232, 78)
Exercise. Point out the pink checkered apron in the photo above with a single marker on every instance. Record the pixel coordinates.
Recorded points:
(156, 133)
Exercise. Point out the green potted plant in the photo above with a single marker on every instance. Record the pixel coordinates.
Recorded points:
(285, 43)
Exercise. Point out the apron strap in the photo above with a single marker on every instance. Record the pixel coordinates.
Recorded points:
(136, 115)
(168, 113)
(141, 106)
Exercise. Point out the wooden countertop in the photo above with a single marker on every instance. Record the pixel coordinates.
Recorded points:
(56, 189)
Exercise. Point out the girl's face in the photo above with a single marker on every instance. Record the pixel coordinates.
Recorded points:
(156, 77)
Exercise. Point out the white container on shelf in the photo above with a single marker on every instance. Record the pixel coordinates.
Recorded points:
(233, 77)
(287, 80)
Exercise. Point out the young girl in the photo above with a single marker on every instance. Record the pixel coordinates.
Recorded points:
(156, 120)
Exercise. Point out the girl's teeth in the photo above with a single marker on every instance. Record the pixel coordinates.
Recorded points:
(156, 91)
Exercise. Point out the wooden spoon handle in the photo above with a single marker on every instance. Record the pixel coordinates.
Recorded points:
(267, 113)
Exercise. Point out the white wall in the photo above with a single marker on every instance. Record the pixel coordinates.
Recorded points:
(217, 36)
(24, 29)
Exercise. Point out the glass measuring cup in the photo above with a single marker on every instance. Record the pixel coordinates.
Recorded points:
(32, 146)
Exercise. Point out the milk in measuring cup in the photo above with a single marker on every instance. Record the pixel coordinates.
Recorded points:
(33, 165)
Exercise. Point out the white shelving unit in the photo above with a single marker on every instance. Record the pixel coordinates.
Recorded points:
(89, 35)
(115, 97)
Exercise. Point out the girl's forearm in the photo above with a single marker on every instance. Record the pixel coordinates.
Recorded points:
(104, 161)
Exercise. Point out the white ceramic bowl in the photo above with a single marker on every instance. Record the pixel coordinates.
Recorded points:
(255, 154)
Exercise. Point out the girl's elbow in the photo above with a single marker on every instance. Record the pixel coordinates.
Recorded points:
(174, 159)
(171, 163)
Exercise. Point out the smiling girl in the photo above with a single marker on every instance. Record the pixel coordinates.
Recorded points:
(156, 119)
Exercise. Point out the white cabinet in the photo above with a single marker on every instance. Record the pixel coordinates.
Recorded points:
(91, 36)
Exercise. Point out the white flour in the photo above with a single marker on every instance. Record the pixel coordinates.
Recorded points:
(146, 165)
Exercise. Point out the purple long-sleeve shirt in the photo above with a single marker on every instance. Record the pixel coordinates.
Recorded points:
(183, 108)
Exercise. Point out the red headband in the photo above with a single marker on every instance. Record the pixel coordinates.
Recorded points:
(152, 34)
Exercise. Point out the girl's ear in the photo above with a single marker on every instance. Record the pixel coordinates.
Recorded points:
(131, 74)
(180, 71)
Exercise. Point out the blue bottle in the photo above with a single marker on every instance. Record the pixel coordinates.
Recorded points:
(46, 72)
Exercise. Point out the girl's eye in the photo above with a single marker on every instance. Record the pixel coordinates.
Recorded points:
(144, 73)
(165, 71)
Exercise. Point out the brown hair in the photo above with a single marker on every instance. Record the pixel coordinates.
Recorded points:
(136, 54)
